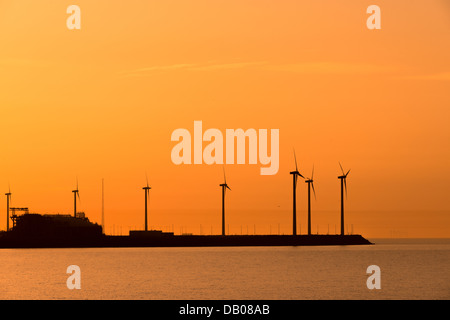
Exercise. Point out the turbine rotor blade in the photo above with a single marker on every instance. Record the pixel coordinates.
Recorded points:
(228, 188)
(341, 169)
(224, 176)
(312, 174)
(347, 173)
(314, 191)
(345, 186)
(295, 159)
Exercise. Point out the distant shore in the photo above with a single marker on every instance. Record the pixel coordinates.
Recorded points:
(149, 239)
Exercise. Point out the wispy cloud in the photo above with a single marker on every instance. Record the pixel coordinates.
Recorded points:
(190, 67)
(16, 62)
(441, 76)
(306, 68)
(165, 68)
(330, 68)
(238, 65)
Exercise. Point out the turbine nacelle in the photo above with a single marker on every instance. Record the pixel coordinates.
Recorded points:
(344, 175)
(225, 185)
(297, 174)
(76, 192)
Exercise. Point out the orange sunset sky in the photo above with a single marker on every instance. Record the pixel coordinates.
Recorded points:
(102, 102)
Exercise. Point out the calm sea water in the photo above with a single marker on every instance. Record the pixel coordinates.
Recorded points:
(410, 269)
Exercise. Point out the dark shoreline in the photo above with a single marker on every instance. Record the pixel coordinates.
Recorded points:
(184, 241)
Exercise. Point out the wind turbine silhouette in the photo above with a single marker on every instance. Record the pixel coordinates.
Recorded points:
(343, 185)
(224, 187)
(295, 175)
(310, 183)
(75, 194)
(147, 193)
(8, 200)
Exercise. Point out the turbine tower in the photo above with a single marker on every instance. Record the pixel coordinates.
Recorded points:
(310, 183)
(75, 194)
(147, 193)
(295, 175)
(8, 200)
(343, 185)
(224, 187)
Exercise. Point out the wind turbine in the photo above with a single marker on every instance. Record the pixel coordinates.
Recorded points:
(8, 200)
(147, 193)
(310, 183)
(75, 194)
(343, 185)
(295, 175)
(224, 187)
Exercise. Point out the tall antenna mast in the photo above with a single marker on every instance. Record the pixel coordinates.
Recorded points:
(8, 200)
(103, 206)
